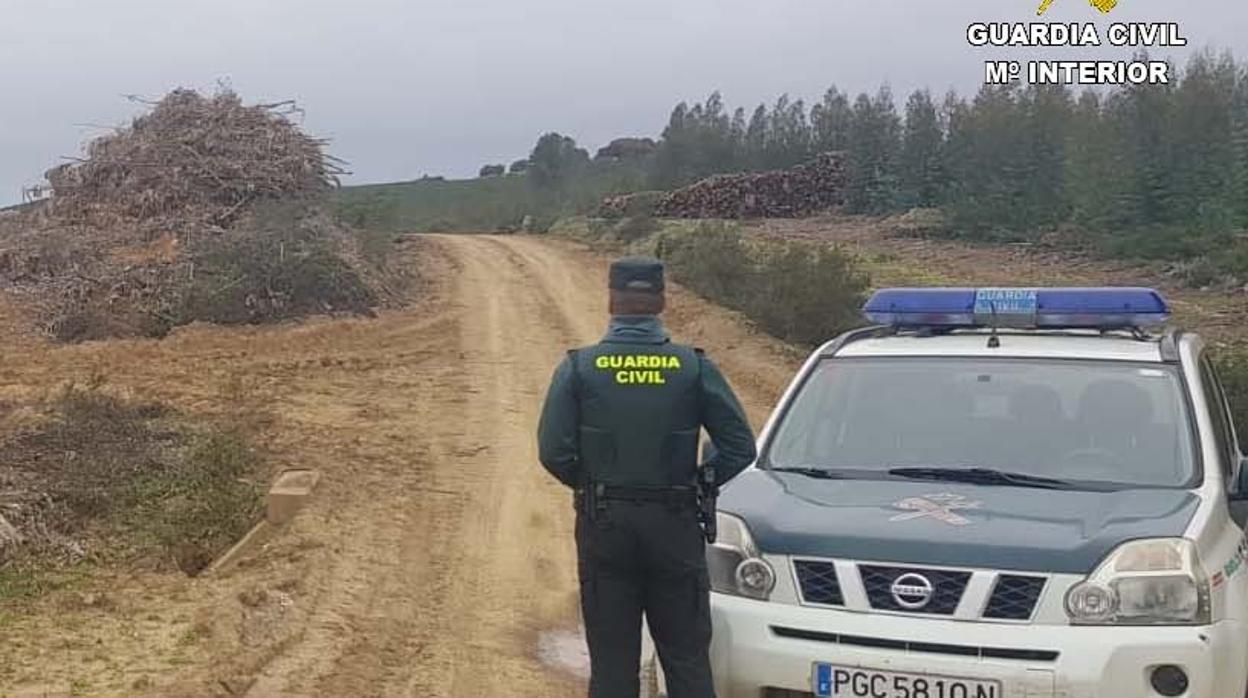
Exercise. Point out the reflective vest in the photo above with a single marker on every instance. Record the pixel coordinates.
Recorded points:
(639, 413)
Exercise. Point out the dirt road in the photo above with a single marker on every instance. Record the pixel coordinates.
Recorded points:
(437, 554)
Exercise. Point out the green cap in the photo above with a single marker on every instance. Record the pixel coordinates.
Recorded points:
(637, 274)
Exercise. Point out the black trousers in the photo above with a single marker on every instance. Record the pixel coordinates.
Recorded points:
(645, 557)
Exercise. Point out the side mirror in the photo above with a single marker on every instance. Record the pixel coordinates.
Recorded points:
(708, 451)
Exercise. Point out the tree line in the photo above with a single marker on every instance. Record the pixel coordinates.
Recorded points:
(1021, 156)
(1155, 171)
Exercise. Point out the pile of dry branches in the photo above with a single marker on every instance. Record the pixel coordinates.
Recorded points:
(201, 209)
(194, 159)
(803, 190)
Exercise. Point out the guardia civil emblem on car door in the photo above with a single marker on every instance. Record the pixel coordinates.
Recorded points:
(941, 507)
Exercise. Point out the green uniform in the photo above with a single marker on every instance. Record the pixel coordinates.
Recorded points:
(623, 416)
(641, 405)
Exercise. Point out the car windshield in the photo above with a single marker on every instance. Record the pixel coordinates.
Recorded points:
(1097, 422)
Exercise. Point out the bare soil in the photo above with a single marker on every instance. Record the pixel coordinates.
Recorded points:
(436, 551)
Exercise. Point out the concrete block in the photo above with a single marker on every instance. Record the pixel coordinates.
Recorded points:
(253, 538)
(289, 493)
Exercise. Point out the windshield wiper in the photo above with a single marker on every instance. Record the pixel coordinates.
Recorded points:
(808, 471)
(983, 476)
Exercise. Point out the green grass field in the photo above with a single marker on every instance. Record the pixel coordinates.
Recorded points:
(437, 205)
(487, 204)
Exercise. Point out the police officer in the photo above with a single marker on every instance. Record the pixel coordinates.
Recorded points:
(620, 426)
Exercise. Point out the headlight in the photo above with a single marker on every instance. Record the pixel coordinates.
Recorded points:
(734, 562)
(1146, 582)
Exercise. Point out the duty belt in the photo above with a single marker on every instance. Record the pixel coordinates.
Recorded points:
(662, 495)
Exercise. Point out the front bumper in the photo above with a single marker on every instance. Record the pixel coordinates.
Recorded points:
(1093, 662)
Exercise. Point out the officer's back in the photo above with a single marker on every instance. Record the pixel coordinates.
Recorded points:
(620, 426)
(639, 412)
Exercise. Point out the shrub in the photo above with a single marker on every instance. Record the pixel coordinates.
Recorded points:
(262, 280)
(634, 228)
(798, 291)
(373, 211)
(107, 477)
(613, 231)
(921, 223)
(806, 292)
(1232, 367)
(712, 261)
(642, 203)
(283, 265)
(198, 507)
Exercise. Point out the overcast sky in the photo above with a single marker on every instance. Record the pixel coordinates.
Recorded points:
(409, 87)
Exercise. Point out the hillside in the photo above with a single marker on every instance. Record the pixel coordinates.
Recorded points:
(485, 204)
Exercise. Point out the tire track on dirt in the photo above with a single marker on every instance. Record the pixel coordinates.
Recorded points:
(462, 580)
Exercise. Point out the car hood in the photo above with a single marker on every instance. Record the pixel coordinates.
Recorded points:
(953, 524)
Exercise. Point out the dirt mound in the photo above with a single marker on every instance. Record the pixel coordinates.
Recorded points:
(202, 209)
(804, 190)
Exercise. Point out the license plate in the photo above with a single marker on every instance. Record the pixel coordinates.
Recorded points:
(855, 682)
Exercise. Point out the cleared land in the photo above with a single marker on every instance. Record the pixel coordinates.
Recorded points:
(436, 546)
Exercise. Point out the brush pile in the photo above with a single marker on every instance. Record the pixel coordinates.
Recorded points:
(193, 160)
(201, 209)
(804, 190)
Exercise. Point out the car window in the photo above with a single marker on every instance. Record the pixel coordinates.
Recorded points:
(1094, 421)
(1223, 430)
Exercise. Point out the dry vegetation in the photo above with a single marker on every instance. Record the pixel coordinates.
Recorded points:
(201, 209)
(798, 291)
(91, 477)
(193, 161)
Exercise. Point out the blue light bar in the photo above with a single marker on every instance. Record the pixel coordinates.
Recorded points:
(1040, 308)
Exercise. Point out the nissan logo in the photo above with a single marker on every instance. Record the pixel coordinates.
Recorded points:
(912, 591)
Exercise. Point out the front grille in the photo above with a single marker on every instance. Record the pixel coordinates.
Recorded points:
(946, 588)
(819, 583)
(1014, 597)
(878, 643)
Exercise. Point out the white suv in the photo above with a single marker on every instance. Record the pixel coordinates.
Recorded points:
(994, 493)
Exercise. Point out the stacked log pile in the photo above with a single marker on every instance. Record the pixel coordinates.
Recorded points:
(804, 190)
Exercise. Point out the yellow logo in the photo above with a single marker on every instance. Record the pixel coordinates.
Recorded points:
(638, 369)
(1105, 6)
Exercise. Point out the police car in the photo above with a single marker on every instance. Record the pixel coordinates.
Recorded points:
(992, 493)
